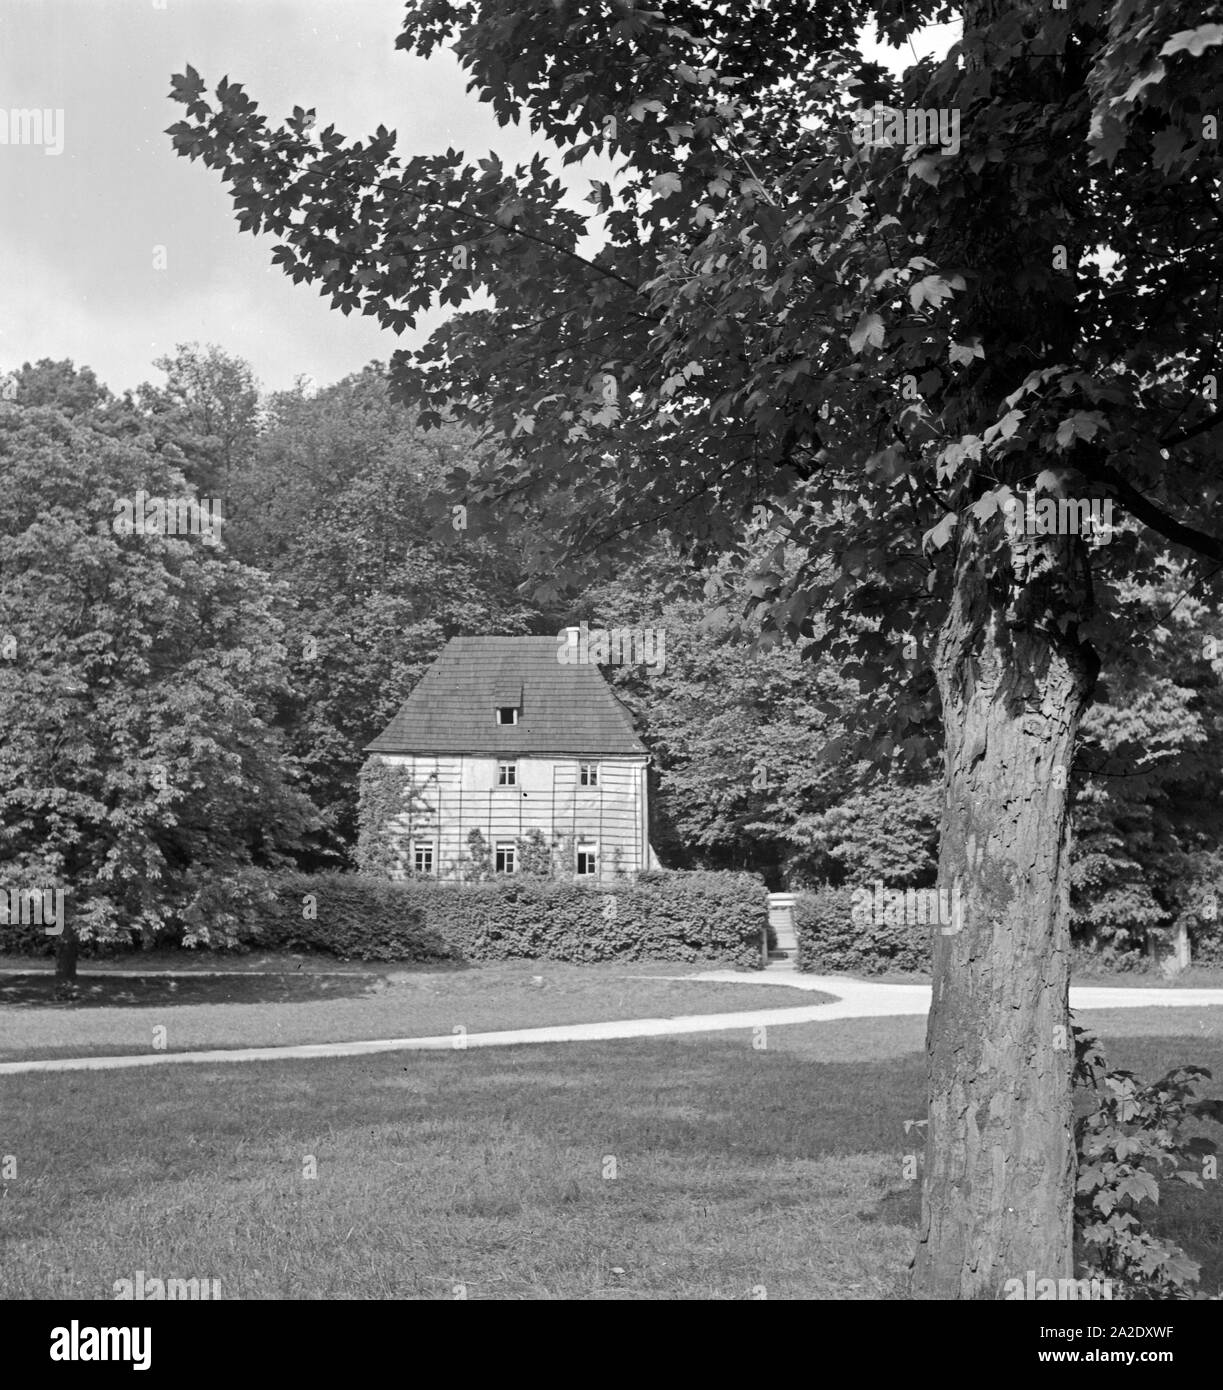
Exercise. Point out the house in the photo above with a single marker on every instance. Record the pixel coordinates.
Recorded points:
(508, 736)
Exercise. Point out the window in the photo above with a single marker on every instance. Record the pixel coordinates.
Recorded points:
(507, 774)
(507, 714)
(505, 863)
(422, 856)
(588, 860)
(588, 774)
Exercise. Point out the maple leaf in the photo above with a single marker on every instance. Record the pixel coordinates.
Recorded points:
(869, 330)
(1195, 41)
(962, 354)
(934, 289)
(938, 535)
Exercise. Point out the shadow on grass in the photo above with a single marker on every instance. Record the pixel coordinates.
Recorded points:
(160, 991)
(899, 1207)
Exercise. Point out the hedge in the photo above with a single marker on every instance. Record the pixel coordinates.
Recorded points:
(355, 916)
(829, 939)
(668, 916)
(27, 940)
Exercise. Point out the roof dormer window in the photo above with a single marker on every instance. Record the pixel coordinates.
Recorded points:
(507, 700)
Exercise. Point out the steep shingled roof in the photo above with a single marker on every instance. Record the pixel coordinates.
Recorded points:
(565, 709)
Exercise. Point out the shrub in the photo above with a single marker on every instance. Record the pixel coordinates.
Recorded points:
(20, 939)
(830, 940)
(355, 916)
(105, 933)
(674, 916)
(662, 916)
(1132, 1139)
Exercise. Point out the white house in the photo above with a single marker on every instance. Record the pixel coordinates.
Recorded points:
(503, 736)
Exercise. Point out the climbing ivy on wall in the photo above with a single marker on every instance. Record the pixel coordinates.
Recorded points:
(478, 865)
(534, 855)
(387, 791)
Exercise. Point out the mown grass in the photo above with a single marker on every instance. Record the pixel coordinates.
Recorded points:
(117, 1015)
(737, 1169)
(1087, 976)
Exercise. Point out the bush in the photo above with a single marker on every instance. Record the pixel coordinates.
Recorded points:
(710, 916)
(1131, 1141)
(673, 916)
(829, 939)
(355, 916)
(663, 915)
(17, 939)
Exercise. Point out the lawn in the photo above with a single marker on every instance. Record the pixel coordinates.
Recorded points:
(663, 1168)
(117, 1013)
(1196, 977)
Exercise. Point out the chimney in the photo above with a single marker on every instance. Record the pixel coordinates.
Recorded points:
(569, 646)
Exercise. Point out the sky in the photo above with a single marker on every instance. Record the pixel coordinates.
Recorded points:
(115, 250)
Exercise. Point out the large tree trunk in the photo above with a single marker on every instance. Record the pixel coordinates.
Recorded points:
(999, 1169)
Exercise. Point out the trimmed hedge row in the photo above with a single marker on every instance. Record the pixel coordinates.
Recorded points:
(830, 940)
(670, 916)
(17, 939)
(348, 915)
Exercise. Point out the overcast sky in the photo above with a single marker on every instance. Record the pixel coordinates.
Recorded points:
(79, 229)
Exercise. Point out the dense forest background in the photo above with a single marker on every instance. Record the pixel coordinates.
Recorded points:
(172, 712)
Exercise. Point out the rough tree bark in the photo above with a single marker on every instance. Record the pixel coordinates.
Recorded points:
(999, 1167)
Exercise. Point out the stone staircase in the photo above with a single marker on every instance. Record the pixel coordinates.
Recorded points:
(781, 919)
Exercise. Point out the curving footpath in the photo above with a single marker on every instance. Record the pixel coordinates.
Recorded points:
(854, 999)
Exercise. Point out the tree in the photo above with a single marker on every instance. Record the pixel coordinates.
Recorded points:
(141, 671)
(1148, 815)
(885, 346)
(335, 503)
(61, 386)
(742, 738)
(208, 409)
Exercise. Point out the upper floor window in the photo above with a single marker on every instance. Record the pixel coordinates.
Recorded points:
(588, 774)
(507, 714)
(507, 774)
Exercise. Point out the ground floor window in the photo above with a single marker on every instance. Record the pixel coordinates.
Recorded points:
(422, 857)
(505, 863)
(588, 860)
